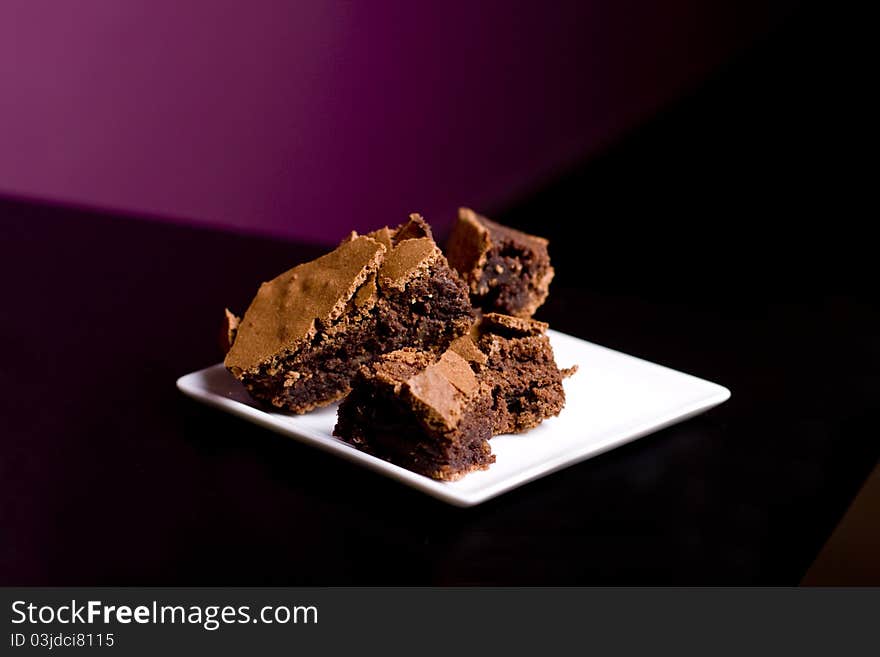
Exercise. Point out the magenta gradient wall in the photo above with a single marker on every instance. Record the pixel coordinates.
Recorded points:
(306, 119)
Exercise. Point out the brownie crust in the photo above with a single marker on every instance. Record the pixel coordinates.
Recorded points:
(309, 330)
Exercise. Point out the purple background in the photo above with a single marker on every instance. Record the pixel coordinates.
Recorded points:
(307, 119)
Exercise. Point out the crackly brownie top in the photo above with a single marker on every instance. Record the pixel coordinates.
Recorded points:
(509, 326)
(286, 309)
(408, 259)
(441, 389)
(473, 237)
(410, 250)
(466, 347)
(494, 326)
(414, 227)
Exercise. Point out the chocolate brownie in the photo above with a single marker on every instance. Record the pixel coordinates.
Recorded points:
(427, 415)
(514, 358)
(307, 331)
(507, 271)
(435, 416)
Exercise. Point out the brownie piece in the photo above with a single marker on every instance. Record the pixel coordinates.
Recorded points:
(514, 358)
(507, 271)
(229, 331)
(427, 415)
(308, 331)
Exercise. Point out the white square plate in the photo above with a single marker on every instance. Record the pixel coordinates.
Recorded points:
(612, 399)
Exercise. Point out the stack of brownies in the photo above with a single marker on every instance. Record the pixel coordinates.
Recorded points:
(431, 355)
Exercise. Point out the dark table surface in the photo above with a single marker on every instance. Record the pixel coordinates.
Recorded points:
(110, 476)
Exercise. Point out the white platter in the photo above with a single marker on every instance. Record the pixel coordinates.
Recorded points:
(613, 399)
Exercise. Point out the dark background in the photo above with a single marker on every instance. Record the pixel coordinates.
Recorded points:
(723, 238)
(309, 119)
(755, 184)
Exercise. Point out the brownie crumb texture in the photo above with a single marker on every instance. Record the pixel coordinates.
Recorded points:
(520, 368)
(431, 416)
(309, 330)
(435, 415)
(507, 271)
